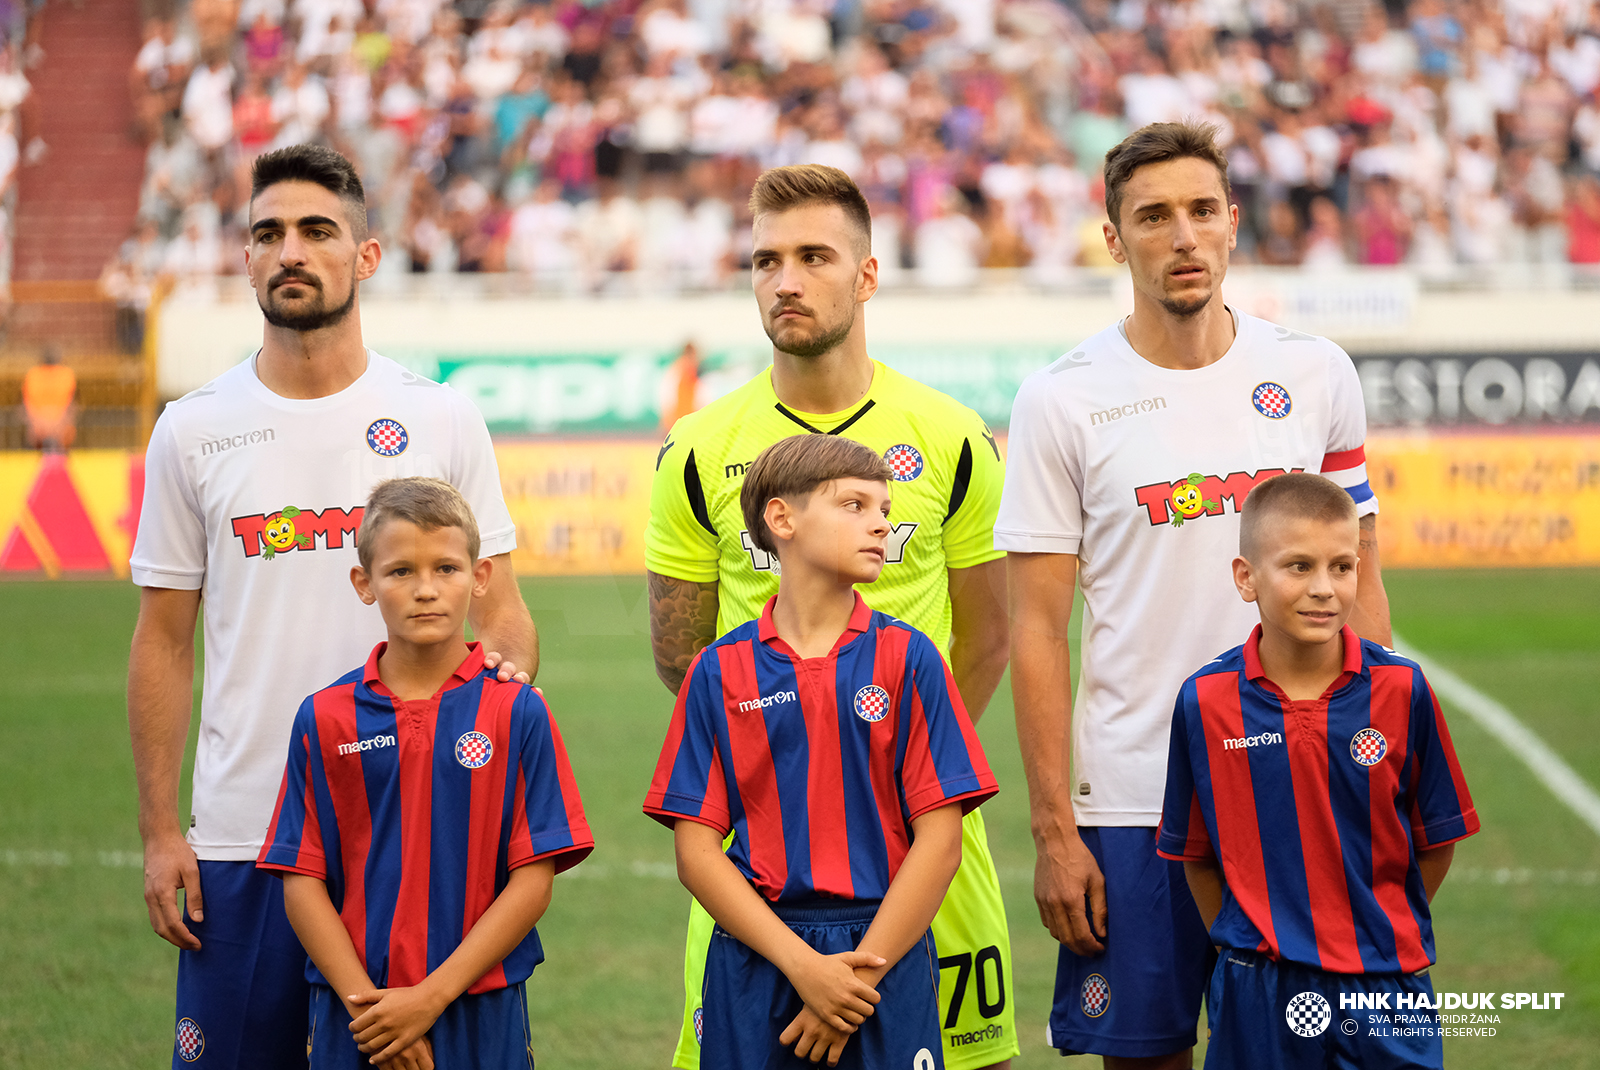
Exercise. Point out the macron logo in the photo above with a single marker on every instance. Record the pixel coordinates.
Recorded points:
(366, 744)
(1252, 741)
(767, 700)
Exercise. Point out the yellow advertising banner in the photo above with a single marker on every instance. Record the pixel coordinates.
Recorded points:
(580, 505)
(1454, 501)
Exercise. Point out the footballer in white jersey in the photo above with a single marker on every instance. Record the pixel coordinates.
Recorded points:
(254, 491)
(1128, 460)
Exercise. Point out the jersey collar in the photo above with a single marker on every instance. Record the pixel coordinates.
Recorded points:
(860, 620)
(844, 424)
(1352, 657)
(470, 667)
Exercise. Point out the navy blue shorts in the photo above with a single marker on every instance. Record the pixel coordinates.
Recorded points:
(1140, 997)
(242, 996)
(1269, 1015)
(748, 1001)
(483, 1032)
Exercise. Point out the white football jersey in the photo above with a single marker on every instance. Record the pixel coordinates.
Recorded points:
(1140, 471)
(255, 500)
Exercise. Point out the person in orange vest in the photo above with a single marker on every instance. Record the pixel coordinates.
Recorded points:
(48, 391)
(685, 372)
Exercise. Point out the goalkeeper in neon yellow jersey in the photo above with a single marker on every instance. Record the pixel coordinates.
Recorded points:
(813, 270)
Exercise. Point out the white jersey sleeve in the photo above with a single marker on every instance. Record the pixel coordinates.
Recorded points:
(1041, 509)
(1346, 460)
(169, 548)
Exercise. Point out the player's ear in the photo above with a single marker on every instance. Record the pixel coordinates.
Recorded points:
(1244, 579)
(867, 279)
(480, 577)
(1113, 242)
(363, 584)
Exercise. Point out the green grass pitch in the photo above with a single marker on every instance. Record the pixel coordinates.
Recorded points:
(85, 983)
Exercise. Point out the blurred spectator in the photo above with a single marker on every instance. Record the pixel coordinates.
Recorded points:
(1583, 221)
(48, 390)
(682, 382)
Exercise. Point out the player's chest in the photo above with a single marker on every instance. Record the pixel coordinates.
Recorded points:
(814, 710)
(276, 484)
(1166, 454)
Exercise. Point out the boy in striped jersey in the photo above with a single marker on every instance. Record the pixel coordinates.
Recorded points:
(425, 810)
(831, 741)
(1314, 799)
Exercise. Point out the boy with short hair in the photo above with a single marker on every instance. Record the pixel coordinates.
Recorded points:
(425, 809)
(1314, 797)
(831, 741)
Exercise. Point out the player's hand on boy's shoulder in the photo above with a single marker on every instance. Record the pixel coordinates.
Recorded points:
(508, 671)
(395, 1019)
(829, 985)
(814, 1039)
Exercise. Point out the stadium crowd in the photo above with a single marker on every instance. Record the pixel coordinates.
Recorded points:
(611, 144)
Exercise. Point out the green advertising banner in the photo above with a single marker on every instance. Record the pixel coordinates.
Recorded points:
(626, 391)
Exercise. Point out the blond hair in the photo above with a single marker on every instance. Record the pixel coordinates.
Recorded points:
(784, 188)
(792, 468)
(430, 504)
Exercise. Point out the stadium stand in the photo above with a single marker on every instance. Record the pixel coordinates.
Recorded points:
(608, 145)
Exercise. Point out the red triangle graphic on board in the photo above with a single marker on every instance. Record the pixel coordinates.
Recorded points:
(62, 520)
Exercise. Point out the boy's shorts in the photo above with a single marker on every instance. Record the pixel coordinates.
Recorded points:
(975, 948)
(748, 1001)
(1140, 997)
(482, 1032)
(242, 996)
(1283, 1016)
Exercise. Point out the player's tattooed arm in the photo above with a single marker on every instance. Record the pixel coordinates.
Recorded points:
(1370, 617)
(683, 621)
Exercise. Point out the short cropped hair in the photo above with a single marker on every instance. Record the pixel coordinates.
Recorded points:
(430, 504)
(1297, 496)
(323, 166)
(783, 188)
(1158, 143)
(792, 468)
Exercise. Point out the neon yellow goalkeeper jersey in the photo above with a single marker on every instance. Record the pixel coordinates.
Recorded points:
(945, 492)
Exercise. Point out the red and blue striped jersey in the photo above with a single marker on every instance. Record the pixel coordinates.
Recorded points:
(415, 813)
(818, 765)
(1316, 809)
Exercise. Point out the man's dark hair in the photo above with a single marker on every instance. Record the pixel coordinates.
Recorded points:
(792, 468)
(323, 166)
(1158, 143)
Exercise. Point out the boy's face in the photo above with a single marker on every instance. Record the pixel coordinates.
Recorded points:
(422, 581)
(841, 528)
(1304, 578)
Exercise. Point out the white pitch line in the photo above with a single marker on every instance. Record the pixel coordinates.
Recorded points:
(1515, 736)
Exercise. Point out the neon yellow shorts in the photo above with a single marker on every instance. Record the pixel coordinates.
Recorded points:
(974, 964)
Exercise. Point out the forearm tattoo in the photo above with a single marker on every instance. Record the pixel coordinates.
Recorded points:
(1367, 541)
(683, 621)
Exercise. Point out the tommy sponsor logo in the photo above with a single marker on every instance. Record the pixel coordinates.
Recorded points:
(233, 442)
(1243, 742)
(360, 745)
(1203, 498)
(299, 529)
(767, 700)
(1117, 412)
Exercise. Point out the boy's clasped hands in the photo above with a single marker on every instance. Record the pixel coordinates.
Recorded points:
(838, 998)
(392, 1031)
